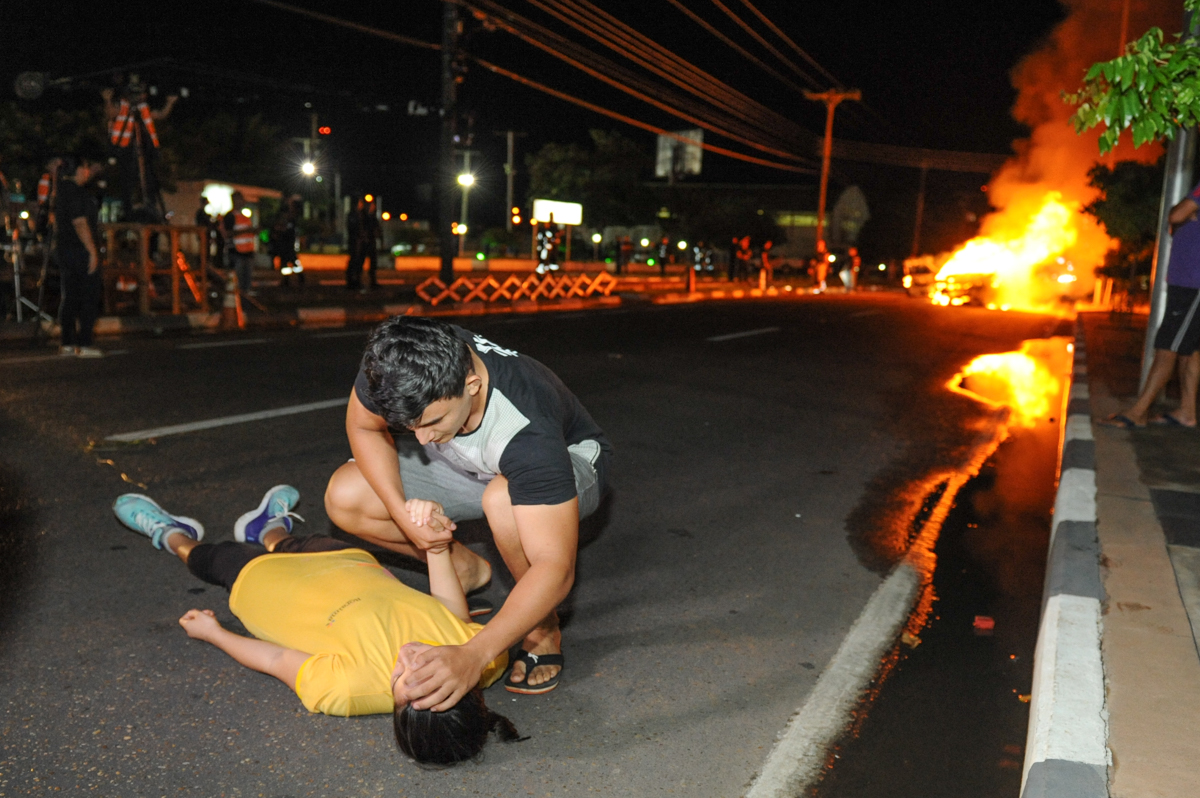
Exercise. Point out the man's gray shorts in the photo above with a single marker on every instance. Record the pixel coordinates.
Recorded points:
(427, 475)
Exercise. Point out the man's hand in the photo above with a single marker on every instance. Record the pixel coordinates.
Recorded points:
(428, 516)
(441, 676)
(200, 624)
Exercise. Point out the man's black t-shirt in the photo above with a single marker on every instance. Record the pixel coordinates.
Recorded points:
(530, 420)
(73, 202)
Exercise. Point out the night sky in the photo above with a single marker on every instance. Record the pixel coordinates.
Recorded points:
(933, 74)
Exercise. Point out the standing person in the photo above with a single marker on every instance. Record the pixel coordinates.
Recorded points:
(664, 252)
(240, 242)
(821, 269)
(283, 245)
(369, 236)
(767, 268)
(77, 236)
(503, 439)
(354, 237)
(1178, 338)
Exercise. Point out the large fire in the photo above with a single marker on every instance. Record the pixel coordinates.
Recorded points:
(1022, 380)
(1034, 252)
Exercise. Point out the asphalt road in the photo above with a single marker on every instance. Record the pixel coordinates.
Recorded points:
(759, 495)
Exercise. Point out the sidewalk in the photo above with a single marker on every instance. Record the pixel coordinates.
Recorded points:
(1148, 523)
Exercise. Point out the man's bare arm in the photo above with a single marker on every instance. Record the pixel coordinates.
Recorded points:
(374, 452)
(1186, 209)
(85, 236)
(550, 538)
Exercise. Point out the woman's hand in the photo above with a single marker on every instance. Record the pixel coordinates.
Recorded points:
(200, 624)
(424, 512)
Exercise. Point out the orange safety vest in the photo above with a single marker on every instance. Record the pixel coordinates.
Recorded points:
(243, 232)
(121, 132)
(43, 189)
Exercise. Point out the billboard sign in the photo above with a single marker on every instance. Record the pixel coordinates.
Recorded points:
(676, 157)
(564, 212)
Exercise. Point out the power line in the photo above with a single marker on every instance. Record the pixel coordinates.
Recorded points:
(620, 78)
(766, 45)
(730, 43)
(775, 29)
(636, 123)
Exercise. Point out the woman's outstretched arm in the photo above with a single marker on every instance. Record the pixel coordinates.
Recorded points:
(282, 663)
(443, 581)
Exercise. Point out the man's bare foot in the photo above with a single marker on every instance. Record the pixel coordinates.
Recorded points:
(539, 641)
(473, 571)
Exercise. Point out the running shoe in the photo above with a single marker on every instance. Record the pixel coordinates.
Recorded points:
(276, 505)
(144, 516)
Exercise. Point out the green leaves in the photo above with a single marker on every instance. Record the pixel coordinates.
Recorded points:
(1151, 90)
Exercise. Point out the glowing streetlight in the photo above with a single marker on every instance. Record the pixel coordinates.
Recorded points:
(308, 168)
(596, 239)
(682, 245)
(386, 216)
(466, 180)
(645, 242)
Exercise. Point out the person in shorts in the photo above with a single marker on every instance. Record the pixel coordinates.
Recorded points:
(500, 437)
(1178, 338)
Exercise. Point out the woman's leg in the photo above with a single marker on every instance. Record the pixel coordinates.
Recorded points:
(215, 563)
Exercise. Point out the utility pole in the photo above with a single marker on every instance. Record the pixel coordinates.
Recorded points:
(510, 173)
(466, 191)
(451, 28)
(916, 245)
(831, 98)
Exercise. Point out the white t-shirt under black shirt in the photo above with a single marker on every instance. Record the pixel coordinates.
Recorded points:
(529, 422)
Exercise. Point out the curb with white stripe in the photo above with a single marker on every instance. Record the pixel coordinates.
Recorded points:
(1066, 751)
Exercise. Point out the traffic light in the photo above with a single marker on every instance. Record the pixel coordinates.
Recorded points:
(516, 215)
(324, 130)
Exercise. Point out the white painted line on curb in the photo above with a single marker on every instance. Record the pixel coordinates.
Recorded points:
(195, 426)
(744, 334)
(1067, 718)
(1079, 390)
(1076, 499)
(800, 753)
(1079, 428)
(215, 344)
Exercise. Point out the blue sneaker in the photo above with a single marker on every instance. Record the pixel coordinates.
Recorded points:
(276, 505)
(143, 515)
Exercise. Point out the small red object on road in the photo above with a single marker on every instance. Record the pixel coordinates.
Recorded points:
(984, 624)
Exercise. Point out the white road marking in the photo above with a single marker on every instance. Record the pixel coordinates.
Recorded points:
(745, 334)
(243, 418)
(341, 334)
(1076, 499)
(47, 358)
(215, 344)
(864, 313)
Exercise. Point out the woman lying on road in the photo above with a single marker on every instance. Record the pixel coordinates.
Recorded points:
(333, 624)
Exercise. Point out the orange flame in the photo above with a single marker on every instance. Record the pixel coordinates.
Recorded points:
(1016, 379)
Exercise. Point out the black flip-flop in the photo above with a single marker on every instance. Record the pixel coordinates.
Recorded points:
(1168, 420)
(478, 605)
(532, 661)
(1121, 421)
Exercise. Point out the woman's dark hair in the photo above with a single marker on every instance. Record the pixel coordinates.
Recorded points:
(450, 737)
(412, 362)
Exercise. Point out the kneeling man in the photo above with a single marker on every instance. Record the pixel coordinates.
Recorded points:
(500, 437)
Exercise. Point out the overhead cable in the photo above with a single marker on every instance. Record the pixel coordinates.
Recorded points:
(775, 29)
(596, 23)
(345, 23)
(636, 123)
(758, 38)
(730, 43)
(621, 79)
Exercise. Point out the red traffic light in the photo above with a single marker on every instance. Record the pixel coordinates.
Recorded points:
(325, 130)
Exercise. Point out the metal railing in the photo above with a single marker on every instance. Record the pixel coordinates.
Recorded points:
(135, 251)
(514, 287)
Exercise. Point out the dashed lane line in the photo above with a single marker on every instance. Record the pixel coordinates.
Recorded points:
(743, 334)
(215, 344)
(225, 421)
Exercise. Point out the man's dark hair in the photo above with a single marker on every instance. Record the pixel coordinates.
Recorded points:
(450, 737)
(412, 362)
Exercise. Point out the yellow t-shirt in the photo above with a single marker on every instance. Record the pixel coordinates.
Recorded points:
(353, 616)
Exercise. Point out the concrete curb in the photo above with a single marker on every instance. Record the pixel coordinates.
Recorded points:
(1066, 750)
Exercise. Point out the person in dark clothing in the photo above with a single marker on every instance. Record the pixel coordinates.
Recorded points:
(362, 230)
(283, 246)
(77, 238)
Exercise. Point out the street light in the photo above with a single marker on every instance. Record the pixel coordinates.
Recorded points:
(308, 168)
(466, 180)
(596, 239)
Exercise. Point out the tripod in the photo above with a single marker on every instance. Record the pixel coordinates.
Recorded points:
(20, 301)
